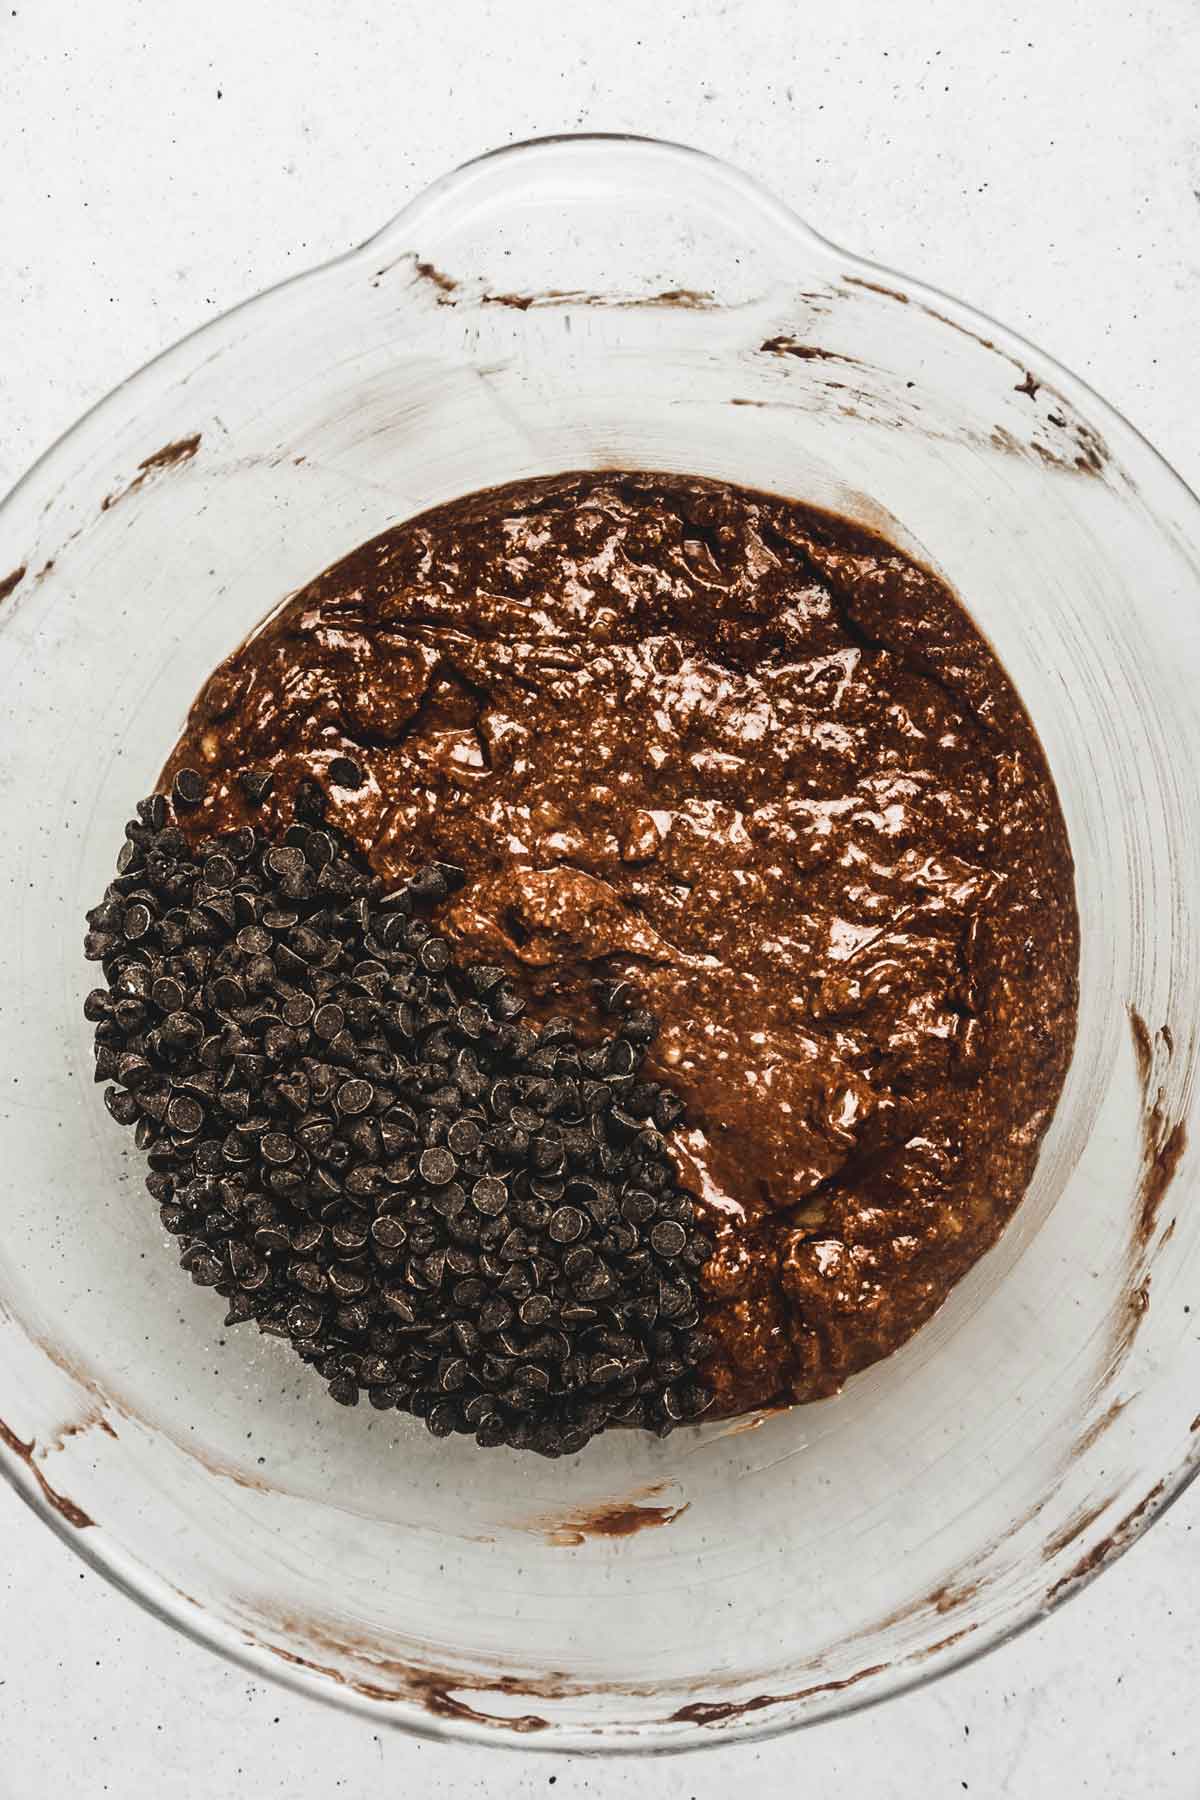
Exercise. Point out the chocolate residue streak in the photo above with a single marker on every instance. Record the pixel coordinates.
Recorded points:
(11, 581)
(434, 1689)
(439, 1690)
(182, 450)
(609, 1519)
(951, 1596)
(1142, 1047)
(787, 346)
(1117, 1540)
(81, 1375)
(1074, 1527)
(874, 287)
(688, 298)
(169, 457)
(1131, 1308)
(697, 298)
(1000, 439)
(422, 270)
(1023, 1519)
(945, 1599)
(227, 1472)
(65, 1507)
(955, 1637)
(446, 284)
(1164, 1144)
(519, 302)
(1090, 460)
(983, 342)
(91, 1421)
(1158, 1177)
(1091, 453)
(1111, 1414)
(1195, 1424)
(704, 1712)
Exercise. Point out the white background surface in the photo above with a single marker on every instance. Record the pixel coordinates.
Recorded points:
(159, 162)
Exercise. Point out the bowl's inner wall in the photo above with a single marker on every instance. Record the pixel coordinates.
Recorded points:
(815, 1546)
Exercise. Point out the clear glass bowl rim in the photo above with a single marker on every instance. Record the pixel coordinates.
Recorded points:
(155, 1596)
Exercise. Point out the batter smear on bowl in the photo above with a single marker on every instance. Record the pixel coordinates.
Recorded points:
(757, 763)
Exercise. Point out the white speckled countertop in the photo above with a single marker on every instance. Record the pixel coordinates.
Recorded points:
(160, 162)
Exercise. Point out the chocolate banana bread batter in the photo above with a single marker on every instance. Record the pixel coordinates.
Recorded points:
(760, 764)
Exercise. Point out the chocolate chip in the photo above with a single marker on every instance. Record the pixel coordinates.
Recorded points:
(252, 940)
(136, 922)
(168, 994)
(328, 1021)
(507, 1004)
(389, 1233)
(567, 1224)
(434, 955)
(343, 772)
(219, 906)
(437, 1166)
(267, 1162)
(449, 1200)
(668, 1110)
(185, 1114)
(219, 871)
(442, 1419)
(188, 788)
(490, 1195)
(256, 785)
(355, 1096)
(668, 1238)
(204, 1267)
(346, 1283)
(284, 860)
(637, 1207)
(463, 1137)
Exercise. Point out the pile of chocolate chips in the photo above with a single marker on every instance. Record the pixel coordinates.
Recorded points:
(362, 1147)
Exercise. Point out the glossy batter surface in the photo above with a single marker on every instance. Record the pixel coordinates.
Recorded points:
(760, 764)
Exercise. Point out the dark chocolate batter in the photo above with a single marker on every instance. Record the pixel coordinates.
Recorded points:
(761, 764)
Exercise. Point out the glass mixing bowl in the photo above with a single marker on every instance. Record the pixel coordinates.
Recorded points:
(575, 303)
